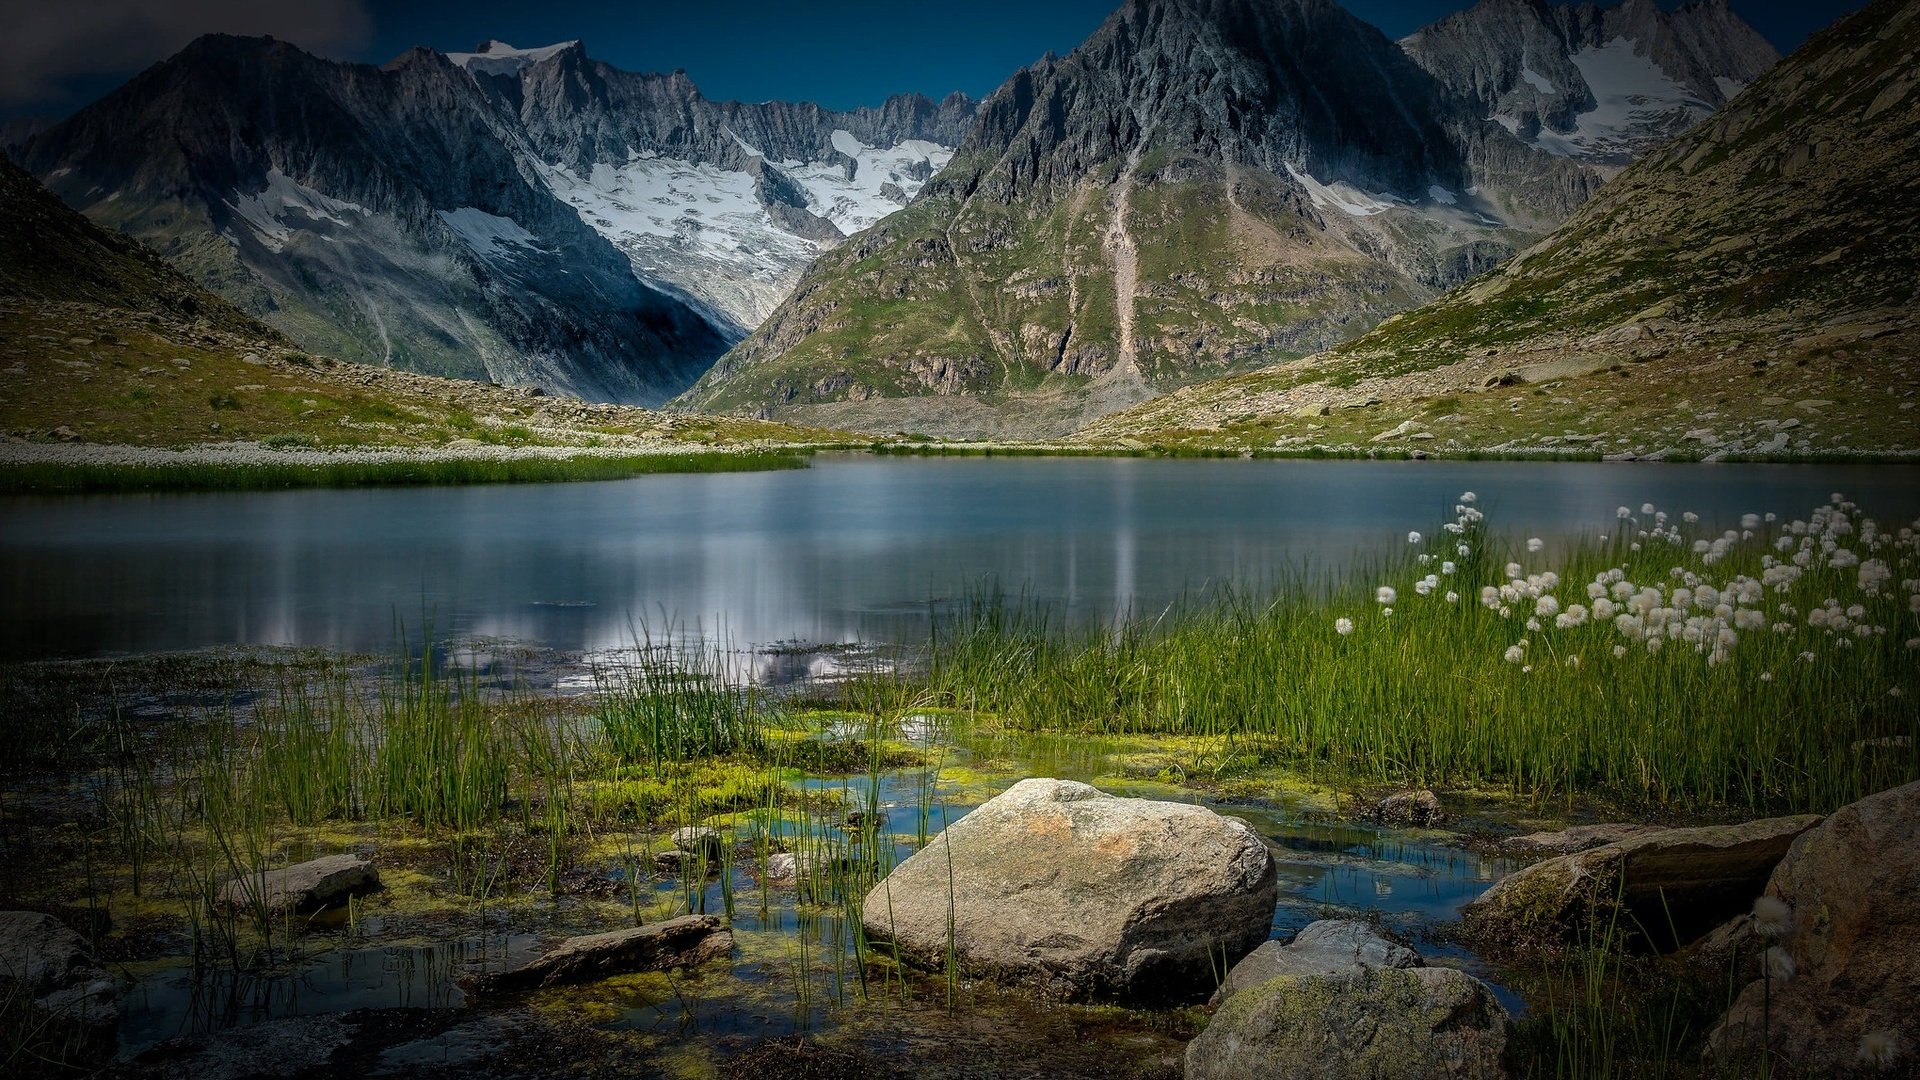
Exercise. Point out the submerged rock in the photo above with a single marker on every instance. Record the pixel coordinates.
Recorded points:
(681, 942)
(1383, 1023)
(1673, 884)
(1082, 893)
(1853, 884)
(1417, 809)
(1578, 837)
(46, 962)
(308, 886)
(1327, 947)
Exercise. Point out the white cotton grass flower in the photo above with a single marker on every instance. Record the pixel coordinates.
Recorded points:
(1619, 651)
(1534, 543)
(1385, 594)
(1453, 597)
(1779, 966)
(1414, 538)
(1547, 606)
(1468, 497)
(1772, 917)
(1343, 626)
(1517, 653)
(1879, 1049)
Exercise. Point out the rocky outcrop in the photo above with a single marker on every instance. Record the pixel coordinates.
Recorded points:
(1672, 885)
(49, 964)
(681, 942)
(1082, 894)
(1559, 75)
(1851, 884)
(1384, 1023)
(1326, 947)
(308, 886)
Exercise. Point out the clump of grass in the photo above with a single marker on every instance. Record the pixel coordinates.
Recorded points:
(1768, 668)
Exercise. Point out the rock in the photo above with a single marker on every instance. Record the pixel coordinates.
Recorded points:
(46, 961)
(1419, 809)
(1082, 893)
(1855, 944)
(1578, 837)
(1327, 947)
(1380, 1023)
(1676, 883)
(308, 886)
(696, 839)
(1404, 427)
(1308, 412)
(681, 942)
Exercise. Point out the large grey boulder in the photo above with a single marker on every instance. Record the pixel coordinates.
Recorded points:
(46, 962)
(681, 942)
(1082, 893)
(1327, 947)
(308, 886)
(1853, 884)
(1673, 885)
(1381, 1023)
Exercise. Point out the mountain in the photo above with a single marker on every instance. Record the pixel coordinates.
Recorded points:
(1202, 186)
(522, 216)
(102, 341)
(1749, 287)
(1599, 84)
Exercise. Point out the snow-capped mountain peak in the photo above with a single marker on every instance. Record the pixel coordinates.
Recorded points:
(496, 57)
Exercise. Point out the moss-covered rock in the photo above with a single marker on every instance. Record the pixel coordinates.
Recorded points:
(1382, 1023)
(1671, 885)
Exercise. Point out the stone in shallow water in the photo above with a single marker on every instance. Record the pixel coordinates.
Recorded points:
(681, 942)
(1381, 1023)
(1084, 894)
(1676, 884)
(1327, 947)
(308, 886)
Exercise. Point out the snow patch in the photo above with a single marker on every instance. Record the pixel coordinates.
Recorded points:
(1536, 80)
(500, 58)
(489, 235)
(1343, 196)
(1442, 195)
(851, 198)
(1729, 88)
(1636, 103)
(268, 211)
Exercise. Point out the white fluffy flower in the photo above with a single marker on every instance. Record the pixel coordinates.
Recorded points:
(1413, 538)
(1343, 626)
(1879, 1049)
(1534, 543)
(1385, 594)
(1546, 606)
(1779, 965)
(1516, 653)
(1772, 917)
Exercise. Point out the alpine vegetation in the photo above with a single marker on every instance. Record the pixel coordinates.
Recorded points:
(1662, 660)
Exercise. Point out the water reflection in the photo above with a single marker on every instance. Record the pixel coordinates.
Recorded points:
(853, 549)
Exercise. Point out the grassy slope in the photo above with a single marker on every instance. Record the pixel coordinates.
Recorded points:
(1766, 258)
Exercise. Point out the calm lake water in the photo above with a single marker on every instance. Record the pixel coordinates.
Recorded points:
(852, 549)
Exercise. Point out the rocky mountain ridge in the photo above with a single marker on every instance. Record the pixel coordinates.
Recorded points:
(520, 216)
(1748, 288)
(1202, 186)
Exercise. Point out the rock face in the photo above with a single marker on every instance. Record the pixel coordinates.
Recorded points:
(1327, 947)
(1382, 1023)
(1852, 884)
(1785, 217)
(1084, 894)
(308, 886)
(1201, 186)
(681, 942)
(52, 966)
(1675, 884)
(1601, 84)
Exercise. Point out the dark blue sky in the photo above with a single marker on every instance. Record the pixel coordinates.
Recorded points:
(840, 53)
(843, 53)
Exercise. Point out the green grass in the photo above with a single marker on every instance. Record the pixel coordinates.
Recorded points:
(60, 478)
(1426, 695)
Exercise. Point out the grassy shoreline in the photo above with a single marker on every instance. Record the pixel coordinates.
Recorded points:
(59, 478)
